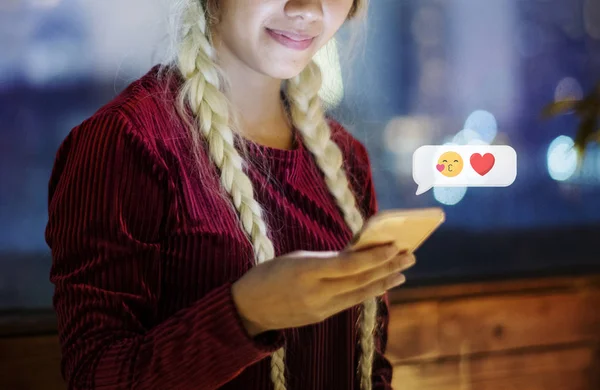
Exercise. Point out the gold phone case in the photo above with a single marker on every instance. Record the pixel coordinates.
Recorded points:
(407, 229)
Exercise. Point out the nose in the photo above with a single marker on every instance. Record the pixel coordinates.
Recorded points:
(307, 10)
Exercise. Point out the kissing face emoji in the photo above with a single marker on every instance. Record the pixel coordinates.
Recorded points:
(450, 164)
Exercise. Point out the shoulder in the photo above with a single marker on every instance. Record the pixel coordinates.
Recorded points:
(120, 148)
(148, 105)
(142, 119)
(104, 147)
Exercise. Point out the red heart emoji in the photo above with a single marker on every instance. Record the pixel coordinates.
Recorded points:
(482, 164)
(440, 167)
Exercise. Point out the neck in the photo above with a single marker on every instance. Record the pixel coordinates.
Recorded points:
(257, 101)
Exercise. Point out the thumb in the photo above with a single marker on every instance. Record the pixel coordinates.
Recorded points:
(313, 254)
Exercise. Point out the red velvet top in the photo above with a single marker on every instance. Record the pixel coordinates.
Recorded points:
(145, 251)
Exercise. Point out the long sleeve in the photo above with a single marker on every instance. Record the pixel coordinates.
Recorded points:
(382, 368)
(108, 203)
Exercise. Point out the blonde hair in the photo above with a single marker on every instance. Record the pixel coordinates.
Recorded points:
(203, 92)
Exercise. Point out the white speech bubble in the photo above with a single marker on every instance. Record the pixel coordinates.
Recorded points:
(427, 159)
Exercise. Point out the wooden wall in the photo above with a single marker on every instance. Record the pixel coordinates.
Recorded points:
(527, 334)
(530, 335)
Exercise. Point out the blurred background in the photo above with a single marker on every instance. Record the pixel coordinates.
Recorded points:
(504, 296)
(427, 72)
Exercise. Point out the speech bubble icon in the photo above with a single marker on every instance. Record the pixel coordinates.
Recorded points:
(464, 166)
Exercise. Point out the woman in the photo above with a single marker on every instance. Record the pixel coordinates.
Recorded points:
(198, 221)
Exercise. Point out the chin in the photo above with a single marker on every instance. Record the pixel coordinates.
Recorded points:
(284, 71)
(283, 64)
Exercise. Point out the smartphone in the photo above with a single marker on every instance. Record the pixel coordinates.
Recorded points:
(407, 229)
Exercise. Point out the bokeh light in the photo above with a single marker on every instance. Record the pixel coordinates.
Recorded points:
(448, 141)
(483, 123)
(49, 60)
(449, 196)
(562, 158)
(591, 16)
(405, 134)
(568, 89)
(424, 26)
(468, 137)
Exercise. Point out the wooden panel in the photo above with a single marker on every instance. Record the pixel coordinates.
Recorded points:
(413, 331)
(501, 323)
(554, 369)
(491, 323)
(30, 363)
(498, 287)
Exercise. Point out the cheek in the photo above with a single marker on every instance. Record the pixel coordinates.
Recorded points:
(241, 36)
(335, 13)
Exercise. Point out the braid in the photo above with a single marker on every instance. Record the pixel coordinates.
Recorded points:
(202, 91)
(308, 116)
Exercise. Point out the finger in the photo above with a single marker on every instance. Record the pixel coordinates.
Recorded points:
(374, 289)
(355, 262)
(339, 286)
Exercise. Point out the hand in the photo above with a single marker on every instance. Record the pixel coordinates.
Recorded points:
(304, 288)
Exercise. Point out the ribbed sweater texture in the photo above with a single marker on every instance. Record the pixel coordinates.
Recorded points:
(146, 247)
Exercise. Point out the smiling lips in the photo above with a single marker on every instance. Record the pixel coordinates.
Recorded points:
(291, 40)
